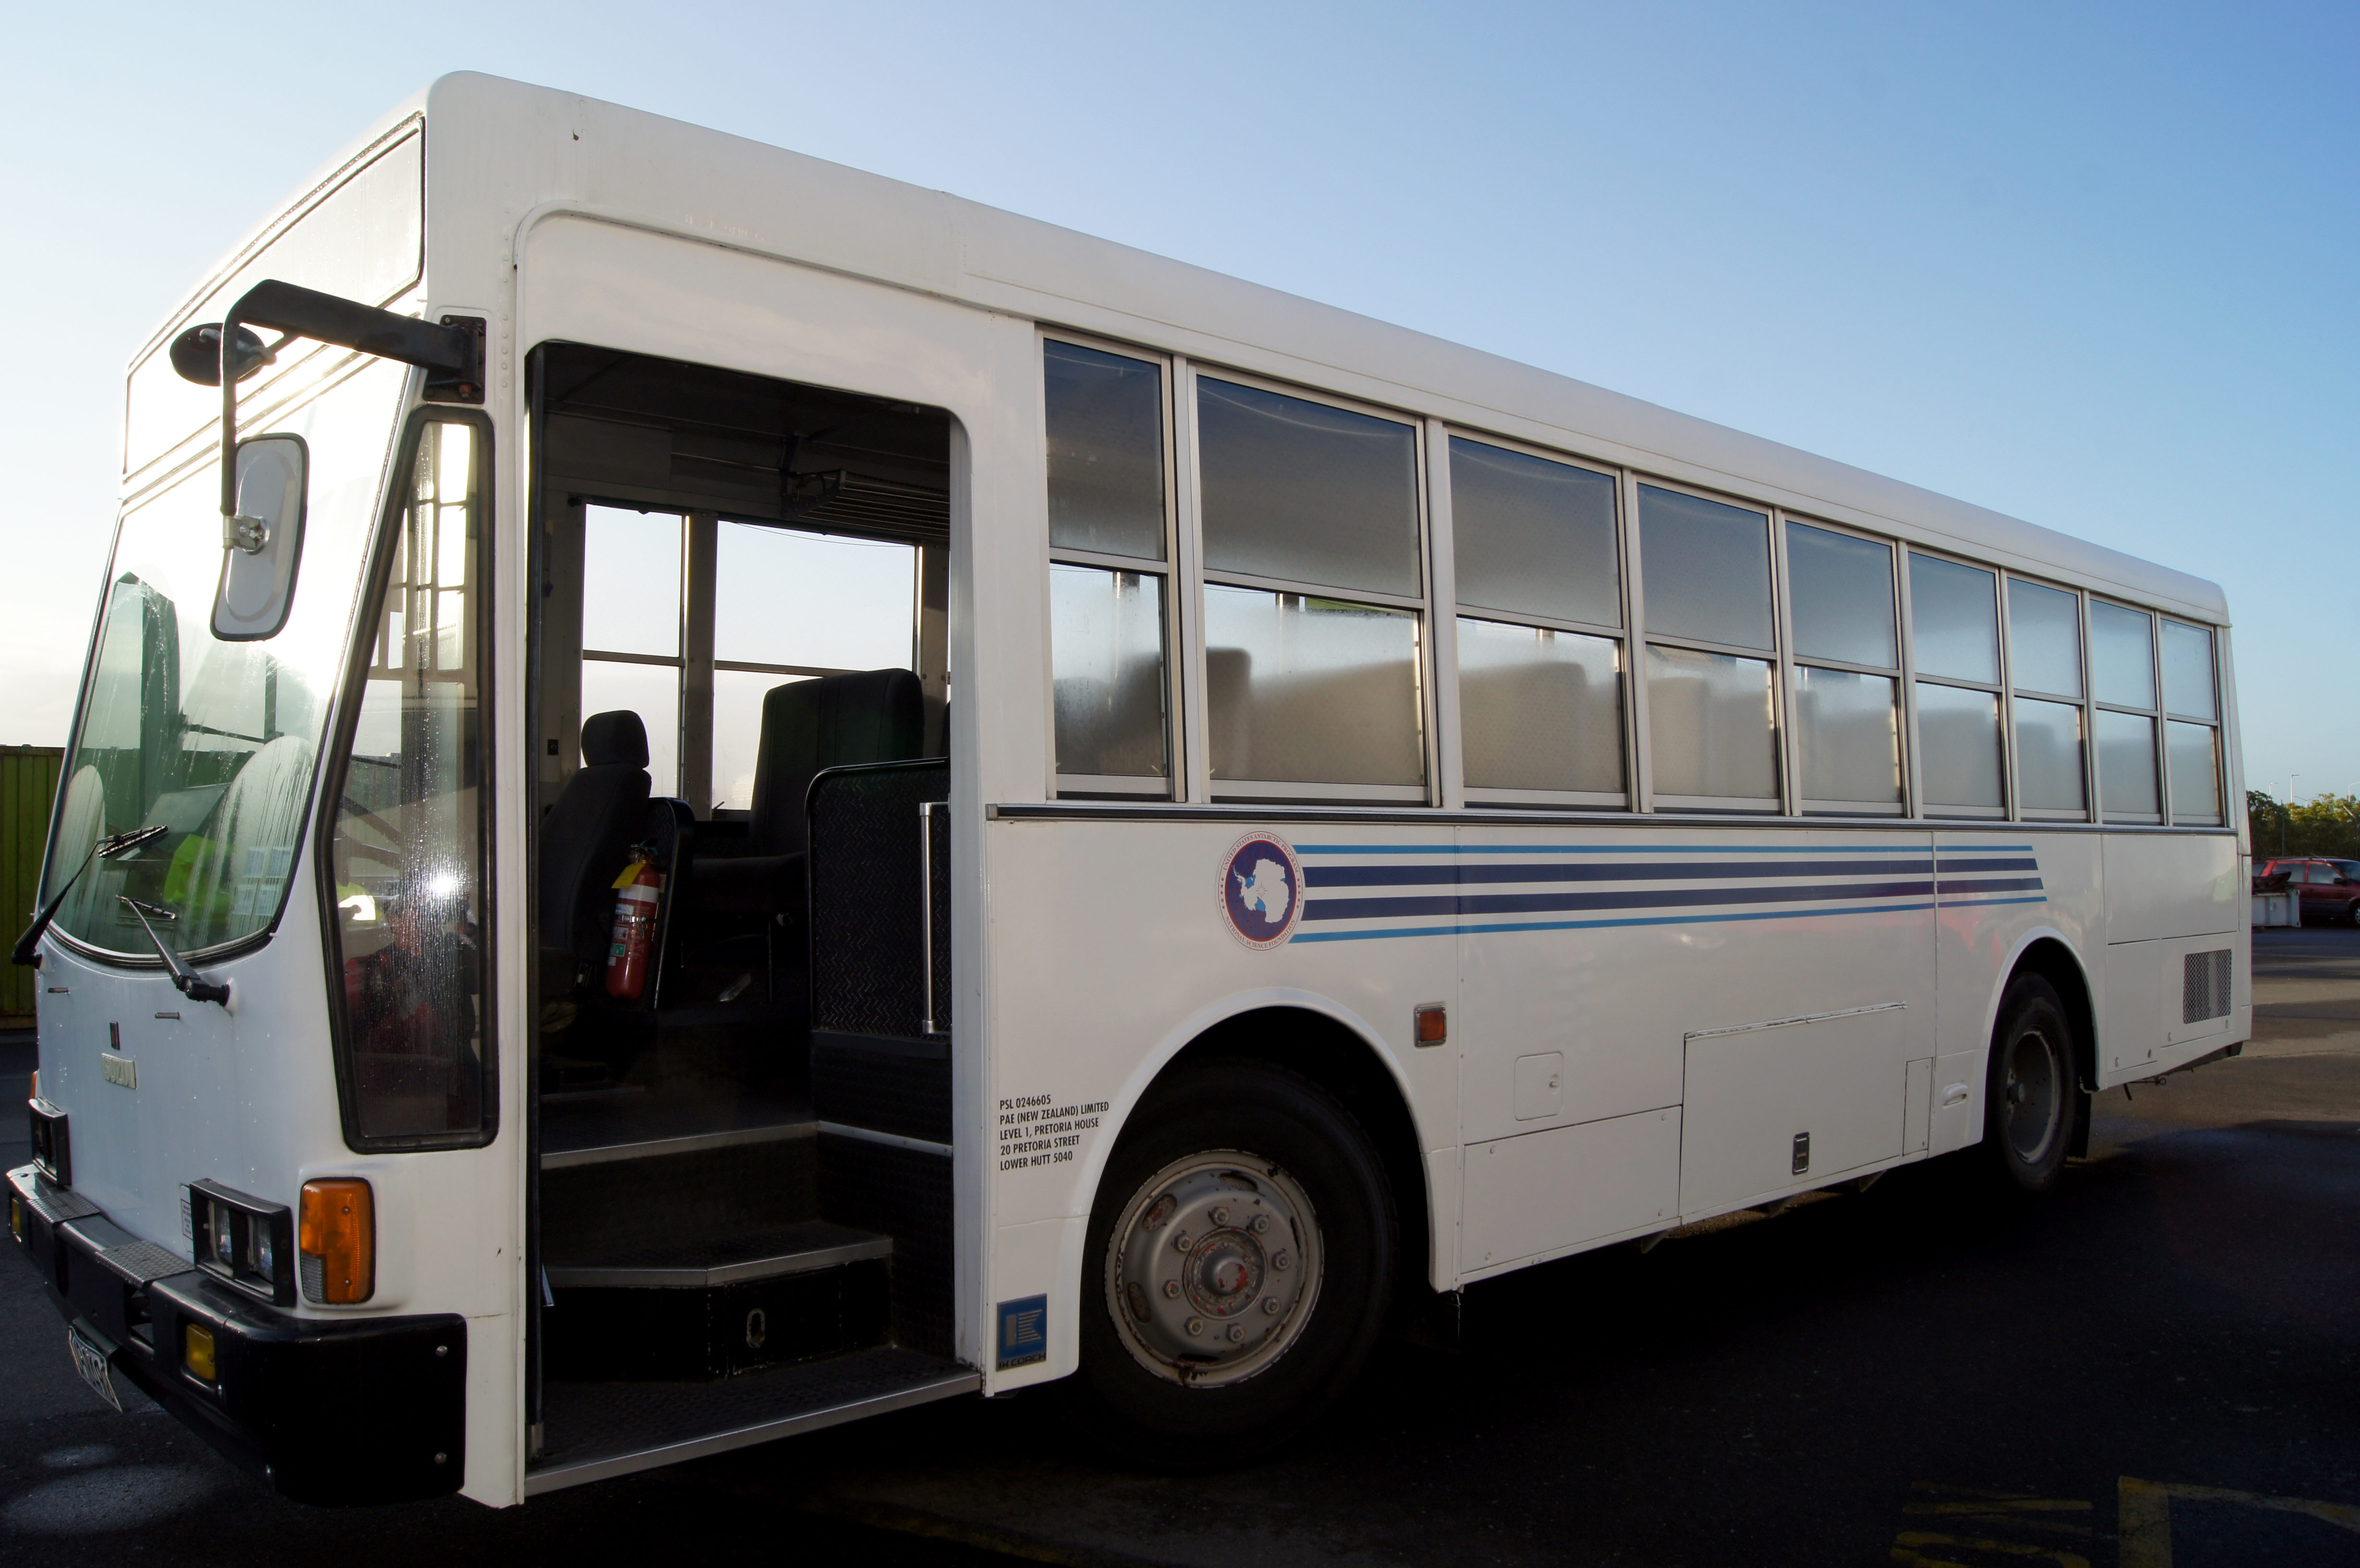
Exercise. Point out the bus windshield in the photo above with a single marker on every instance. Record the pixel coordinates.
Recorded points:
(216, 741)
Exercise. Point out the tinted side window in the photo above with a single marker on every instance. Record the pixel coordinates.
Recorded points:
(1106, 451)
(1307, 493)
(1533, 538)
(1706, 568)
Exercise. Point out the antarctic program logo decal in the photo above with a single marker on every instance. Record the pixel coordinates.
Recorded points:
(1262, 890)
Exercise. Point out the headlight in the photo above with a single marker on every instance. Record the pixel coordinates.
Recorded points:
(243, 1240)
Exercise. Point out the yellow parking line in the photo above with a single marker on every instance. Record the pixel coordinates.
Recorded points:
(1905, 1551)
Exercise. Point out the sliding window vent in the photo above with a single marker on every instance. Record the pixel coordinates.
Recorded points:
(2204, 986)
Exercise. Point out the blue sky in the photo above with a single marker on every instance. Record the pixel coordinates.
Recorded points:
(2093, 266)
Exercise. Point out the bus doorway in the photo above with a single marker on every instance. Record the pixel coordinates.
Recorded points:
(741, 1186)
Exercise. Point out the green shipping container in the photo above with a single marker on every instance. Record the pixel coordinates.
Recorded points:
(28, 784)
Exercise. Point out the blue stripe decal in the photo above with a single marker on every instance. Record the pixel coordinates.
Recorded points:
(1643, 848)
(1948, 864)
(1534, 903)
(1987, 903)
(1592, 925)
(1996, 885)
(1598, 871)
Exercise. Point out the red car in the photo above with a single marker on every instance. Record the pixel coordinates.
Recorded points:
(2330, 890)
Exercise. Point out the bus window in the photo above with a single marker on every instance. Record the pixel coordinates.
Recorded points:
(407, 846)
(1713, 738)
(1954, 639)
(1106, 451)
(631, 627)
(1107, 650)
(2192, 751)
(788, 605)
(2187, 672)
(2044, 661)
(1308, 693)
(1532, 536)
(1307, 493)
(2122, 678)
(1540, 694)
(1311, 690)
(1846, 673)
(1540, 710)
(1107, 499)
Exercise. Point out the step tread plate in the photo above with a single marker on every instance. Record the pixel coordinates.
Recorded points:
(594, 1129)
(698, 1265)
(602, 1429)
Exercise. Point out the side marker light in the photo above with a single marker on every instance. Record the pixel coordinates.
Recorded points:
(1432, 1023)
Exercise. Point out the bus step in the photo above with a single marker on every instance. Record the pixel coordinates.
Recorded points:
(599, 1129)
(708, 1198)
(602, 1429)
(815, 1290)
(696, 1266)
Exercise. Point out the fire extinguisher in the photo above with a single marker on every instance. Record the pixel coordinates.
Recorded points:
(639, 888)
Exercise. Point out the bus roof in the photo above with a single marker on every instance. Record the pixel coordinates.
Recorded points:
(601, 159)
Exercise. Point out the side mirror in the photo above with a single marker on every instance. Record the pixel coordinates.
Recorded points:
(196, 354)
(262, 541)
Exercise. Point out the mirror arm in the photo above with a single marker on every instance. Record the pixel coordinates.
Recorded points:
(451, 355)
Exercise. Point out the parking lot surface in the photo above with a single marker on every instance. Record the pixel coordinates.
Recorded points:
(2156, 1369)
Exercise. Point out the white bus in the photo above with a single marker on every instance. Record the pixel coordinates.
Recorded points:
(754, 796)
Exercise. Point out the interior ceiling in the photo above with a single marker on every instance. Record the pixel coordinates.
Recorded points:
(633, 428)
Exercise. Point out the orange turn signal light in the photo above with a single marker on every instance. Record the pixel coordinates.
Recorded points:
(197, 1352)
(335, 1241)
(1432, 1023)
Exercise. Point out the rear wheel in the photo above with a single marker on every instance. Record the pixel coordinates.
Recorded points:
(1239, 1259)
(2031, 1102)
(2351, 912)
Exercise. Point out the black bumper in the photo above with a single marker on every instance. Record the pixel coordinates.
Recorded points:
(328, 1410)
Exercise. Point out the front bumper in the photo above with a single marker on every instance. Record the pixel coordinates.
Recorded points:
(363, 1409)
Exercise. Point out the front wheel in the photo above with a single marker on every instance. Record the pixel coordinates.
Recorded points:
(2031, 1101)
(1239, 1256)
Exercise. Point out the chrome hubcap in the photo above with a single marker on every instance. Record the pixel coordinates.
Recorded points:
(1213, 1268)
(2032, 1097)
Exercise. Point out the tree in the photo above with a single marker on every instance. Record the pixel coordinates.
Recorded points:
(2324, 824)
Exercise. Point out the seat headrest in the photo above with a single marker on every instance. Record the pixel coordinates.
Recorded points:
(614, 740)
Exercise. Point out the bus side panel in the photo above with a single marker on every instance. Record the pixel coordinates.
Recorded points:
(2165, 885)
(2000, 891)
(1111, 951)
(1648, 988)
(2174, 903)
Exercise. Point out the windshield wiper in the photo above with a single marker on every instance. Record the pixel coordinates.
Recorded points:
(185, 980)
(27, 949)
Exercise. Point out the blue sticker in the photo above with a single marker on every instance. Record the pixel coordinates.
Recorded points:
(1024, 1331)
(1262, 890)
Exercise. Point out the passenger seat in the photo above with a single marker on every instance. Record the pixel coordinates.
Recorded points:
(877, 715)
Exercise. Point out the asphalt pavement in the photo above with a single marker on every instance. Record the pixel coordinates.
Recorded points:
(2155, 1370)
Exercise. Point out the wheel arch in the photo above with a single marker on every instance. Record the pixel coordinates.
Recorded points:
(1333, 1048)
(2047, 953)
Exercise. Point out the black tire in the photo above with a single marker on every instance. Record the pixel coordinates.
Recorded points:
(1281, 1142)
(2032, 1097)
(2351, 912)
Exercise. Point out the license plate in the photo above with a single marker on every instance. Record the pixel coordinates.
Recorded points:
(90, 1361)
